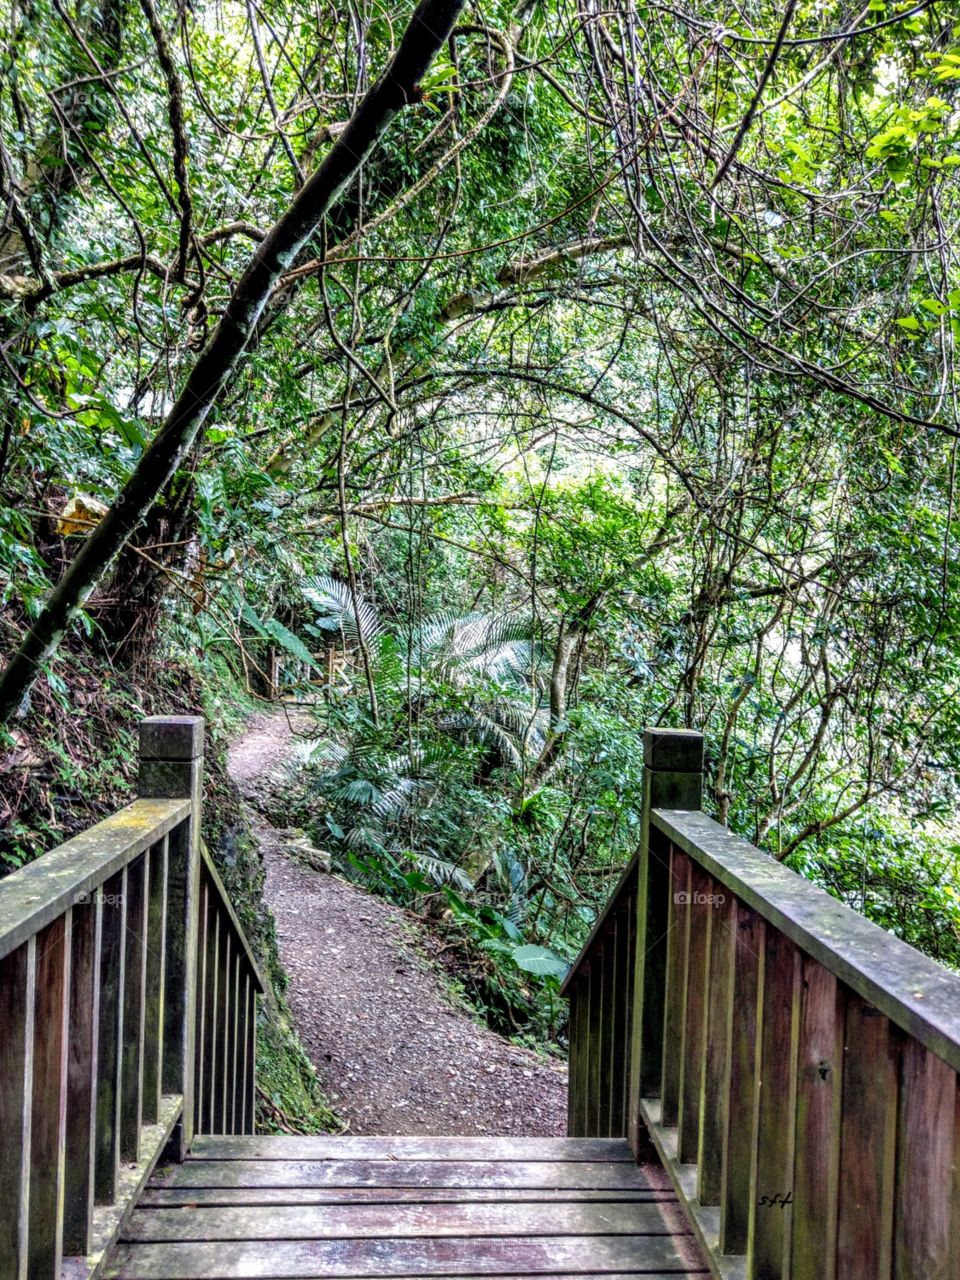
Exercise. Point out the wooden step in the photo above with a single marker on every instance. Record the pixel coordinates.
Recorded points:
(302, 1259)
(357, 1208)
(552, 1150)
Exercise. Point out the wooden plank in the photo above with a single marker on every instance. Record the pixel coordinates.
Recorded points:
(350, 1147)
(925, 1149)
(236, 1068)
(18, 972)
(700, 912)
(110, 1038)
(162, 1197)
(399, 1173)
(397, 1221)
(211, 1022)
(82, 1075)
(153, 991)
(675, 995)
(716, 1056)
(915, 992)
(535, 1255)
(251, 1122)
(49, 1101)
(579, 1083)
(204, 926)
(240, 1040)
(817, 1161)
(573, 1058)
(224, 1019)
(180, 976)
(867, 1144)
(609, 994)
(594, 1039)
(618, 1043)
(776, 1112)
(651, 950)
(248, 1116)
(134, 992)
(623, 1023)
(35, 895)
(745, 1013)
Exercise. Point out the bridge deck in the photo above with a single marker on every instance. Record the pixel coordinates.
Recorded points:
(290, 1207)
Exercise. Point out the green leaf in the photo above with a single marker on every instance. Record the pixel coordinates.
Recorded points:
(540, 961)
(293, 644)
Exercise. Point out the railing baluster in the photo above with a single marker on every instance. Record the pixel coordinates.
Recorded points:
(18, 973)
(241, 1041)
(154, 993)
(225, 986)
(694, 1032)
(581, 1084)
(594, 1037)
(925, 1149)
(110, 1038)
(621, 965)
(576, 1048)
(816, 1168)
(252, 1082)
(716, 1056)
(200, 1042)
(608, 997)
(82, 1072)
(776, 1110)
(211, 1049)
(234, 1046)
(134, 990)
(675, 989)
(867, 1144)
(49, 1100)
(736, 1202)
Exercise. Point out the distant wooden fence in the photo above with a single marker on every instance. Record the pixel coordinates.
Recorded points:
(127, 989)
(795, 1065)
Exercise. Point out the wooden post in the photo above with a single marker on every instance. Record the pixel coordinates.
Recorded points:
(672, 779)
(171, 767)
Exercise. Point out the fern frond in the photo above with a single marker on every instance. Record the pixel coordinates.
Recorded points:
(336, 612)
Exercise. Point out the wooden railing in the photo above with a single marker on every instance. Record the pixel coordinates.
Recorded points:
(99, 1015)
(794, 1064)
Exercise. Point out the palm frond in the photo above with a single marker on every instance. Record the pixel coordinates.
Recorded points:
(336, 612)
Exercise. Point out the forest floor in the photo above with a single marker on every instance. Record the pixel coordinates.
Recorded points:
(395, 1053)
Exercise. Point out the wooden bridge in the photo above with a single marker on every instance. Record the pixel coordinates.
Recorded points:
(762, 1084)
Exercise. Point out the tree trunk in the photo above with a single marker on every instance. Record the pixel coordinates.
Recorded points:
(427, 31)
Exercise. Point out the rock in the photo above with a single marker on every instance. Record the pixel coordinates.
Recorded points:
(297, 844)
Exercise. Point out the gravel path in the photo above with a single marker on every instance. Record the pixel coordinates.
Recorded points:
(395, 1055)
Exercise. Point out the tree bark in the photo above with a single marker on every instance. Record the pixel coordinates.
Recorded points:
(428, 29)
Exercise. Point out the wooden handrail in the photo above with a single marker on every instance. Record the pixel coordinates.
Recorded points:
(916, 993)
(795, 1065)
(100, 946)
(37, 894)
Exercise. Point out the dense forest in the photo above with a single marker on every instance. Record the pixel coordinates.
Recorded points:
(494, 379)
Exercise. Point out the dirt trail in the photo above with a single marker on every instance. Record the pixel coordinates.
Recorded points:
(394, 1054)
